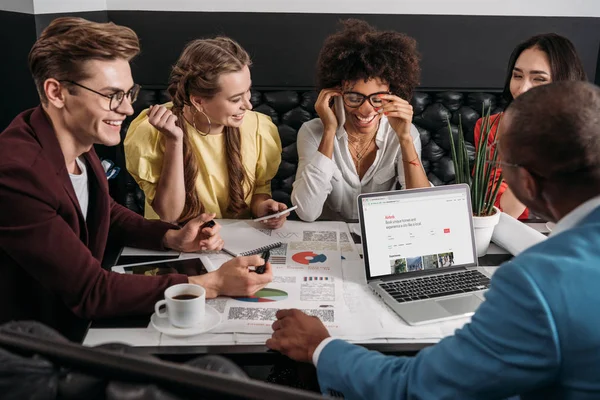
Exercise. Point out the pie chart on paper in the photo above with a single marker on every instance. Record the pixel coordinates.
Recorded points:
(264, 295)
(308, 257)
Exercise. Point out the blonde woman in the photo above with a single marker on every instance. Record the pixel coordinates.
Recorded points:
(206, 151)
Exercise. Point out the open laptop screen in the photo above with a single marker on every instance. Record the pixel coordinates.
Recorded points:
(416, 230)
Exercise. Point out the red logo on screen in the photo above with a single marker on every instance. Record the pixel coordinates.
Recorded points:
(446, 230)
(389, 217)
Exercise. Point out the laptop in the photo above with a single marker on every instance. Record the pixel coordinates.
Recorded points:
(419, 252)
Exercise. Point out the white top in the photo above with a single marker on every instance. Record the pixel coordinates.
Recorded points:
(328, 188)
(576, 215)
(80, 184)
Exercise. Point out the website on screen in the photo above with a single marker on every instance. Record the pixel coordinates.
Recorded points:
(413, 232)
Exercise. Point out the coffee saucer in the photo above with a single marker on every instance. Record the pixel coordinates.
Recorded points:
(211, 320)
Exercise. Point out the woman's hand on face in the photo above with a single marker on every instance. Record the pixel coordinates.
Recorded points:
(399, 113)
(165, 121)
(325, 111)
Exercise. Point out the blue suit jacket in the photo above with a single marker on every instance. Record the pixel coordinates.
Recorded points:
(537, 335)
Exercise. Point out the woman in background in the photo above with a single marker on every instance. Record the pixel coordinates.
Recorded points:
(206, 151)
(539, 60)
(363, 140)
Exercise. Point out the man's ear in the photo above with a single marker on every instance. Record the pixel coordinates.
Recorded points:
(537, 199)
(54, 91)
(529, 184)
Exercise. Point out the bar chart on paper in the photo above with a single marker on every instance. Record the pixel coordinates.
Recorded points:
(265, 295)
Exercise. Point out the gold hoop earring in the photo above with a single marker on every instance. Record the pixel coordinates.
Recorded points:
(194, 122)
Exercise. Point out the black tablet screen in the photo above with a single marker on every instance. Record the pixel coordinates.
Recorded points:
(190, 267)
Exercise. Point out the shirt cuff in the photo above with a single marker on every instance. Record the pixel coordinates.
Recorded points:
(319, 349)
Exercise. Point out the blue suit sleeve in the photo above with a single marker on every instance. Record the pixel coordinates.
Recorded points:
(510, 347)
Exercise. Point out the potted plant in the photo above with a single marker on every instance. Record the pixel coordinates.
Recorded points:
(483, 178)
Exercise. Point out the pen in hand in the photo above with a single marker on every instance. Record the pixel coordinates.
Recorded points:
(261, 269)
(207, 224)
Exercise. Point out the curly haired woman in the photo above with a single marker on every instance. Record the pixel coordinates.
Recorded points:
(206, 151)
(363, 140)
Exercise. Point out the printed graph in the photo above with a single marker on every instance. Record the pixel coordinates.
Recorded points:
(309, 257)
(265, 295)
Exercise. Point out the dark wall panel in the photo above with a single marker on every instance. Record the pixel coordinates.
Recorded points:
(457, 51)
(598, 69)
(21, 31)
(43, 20)
(18, 90)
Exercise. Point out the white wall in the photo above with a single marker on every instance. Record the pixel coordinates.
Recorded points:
(566, 8)
(64, 6)
(22, 6)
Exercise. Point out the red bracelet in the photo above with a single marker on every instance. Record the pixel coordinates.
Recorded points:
(414, 161)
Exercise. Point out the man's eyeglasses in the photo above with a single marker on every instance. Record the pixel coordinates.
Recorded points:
(503, 163)
(513, 165)
(116, 99)
(355, 99)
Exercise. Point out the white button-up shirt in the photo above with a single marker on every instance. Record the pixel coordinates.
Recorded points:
(575, 216)
(328, 188)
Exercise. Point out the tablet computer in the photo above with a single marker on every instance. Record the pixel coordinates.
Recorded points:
(190, 267)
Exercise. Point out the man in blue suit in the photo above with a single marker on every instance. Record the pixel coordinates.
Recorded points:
(538, 332)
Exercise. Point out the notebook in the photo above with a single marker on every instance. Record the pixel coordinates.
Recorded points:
(241, 239)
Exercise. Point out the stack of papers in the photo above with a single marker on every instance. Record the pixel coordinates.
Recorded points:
(514, 236)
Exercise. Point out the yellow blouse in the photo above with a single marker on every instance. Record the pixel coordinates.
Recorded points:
(260, 149)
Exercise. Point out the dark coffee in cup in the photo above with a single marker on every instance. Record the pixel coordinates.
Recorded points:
(183, 314)
(185, 297)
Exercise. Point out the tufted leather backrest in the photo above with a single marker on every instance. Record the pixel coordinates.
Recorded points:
(289, 109)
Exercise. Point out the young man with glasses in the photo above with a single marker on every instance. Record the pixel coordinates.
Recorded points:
(56, 214)
(537, 334)
(363, 140)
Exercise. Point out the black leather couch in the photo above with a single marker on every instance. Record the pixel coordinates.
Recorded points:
(36, 362)
(289, 109)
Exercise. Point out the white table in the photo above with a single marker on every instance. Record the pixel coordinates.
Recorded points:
(148, 339)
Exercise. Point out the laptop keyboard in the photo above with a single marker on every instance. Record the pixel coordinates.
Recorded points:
(432, 286)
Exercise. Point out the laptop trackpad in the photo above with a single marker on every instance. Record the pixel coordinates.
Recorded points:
(460, 305)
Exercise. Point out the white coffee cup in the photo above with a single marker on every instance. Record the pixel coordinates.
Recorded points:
(185, 305)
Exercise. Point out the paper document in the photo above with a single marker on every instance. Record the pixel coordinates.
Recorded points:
(354, 228)
(134, 251)
(514, 236)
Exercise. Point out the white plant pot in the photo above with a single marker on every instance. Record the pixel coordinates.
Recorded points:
(484, 228)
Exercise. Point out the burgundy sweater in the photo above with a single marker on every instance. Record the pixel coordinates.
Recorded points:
(49, 255)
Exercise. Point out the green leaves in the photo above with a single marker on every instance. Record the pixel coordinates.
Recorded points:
(485, 179)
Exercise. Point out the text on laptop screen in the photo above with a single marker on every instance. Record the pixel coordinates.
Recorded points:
(408, 232)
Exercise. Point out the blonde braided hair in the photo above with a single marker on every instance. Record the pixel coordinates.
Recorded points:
(197, 73)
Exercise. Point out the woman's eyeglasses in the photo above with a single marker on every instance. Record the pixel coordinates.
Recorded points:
(116, 99)
(355, 99)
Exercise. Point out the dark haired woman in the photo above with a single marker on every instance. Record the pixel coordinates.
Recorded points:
(206, 151)
(363, 140)
(539, 60)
